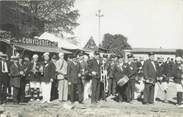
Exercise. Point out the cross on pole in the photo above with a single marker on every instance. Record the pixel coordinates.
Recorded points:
(99, 15)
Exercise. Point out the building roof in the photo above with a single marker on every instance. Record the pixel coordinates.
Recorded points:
(91, 45)
(40, 48)
(155, 50)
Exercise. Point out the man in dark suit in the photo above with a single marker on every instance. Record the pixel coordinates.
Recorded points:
(16, 75)
(178, 79)
(132, 73)
(119, 71)
(74, 79)
(150, 76)
(94, 70)
(4, 77)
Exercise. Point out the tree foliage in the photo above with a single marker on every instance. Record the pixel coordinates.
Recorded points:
(58, 15)
(115, 43)
(179, 52)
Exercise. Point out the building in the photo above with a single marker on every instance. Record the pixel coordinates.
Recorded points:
(159, 52)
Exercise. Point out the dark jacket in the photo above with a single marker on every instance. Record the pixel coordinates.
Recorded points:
(15, 75)
(168, 69)
(8, 65)
(48, 71)
(119, 72)
(72, 73)
(150, 73)
(110, 69)
(177, 73)
(94, 66)
(31, 75)
(132, 70)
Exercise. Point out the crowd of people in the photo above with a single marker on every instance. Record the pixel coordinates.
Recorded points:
(82, 77)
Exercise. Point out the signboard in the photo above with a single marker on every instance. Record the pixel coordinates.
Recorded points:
(35, 42)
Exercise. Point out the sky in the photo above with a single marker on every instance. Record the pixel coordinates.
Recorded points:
(146, 23)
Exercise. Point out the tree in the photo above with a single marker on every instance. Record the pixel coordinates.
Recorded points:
(115, 43)
(58, 15)
(179, 52)
(19, 21)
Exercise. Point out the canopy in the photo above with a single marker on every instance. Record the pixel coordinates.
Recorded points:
(62, 43)
(41, 48)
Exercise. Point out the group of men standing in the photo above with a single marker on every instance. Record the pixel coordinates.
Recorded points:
(80, 77)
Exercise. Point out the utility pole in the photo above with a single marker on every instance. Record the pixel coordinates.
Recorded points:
(99, 15)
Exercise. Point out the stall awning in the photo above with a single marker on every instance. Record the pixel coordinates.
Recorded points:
(40, 48)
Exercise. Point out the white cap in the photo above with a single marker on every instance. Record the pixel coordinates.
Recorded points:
(178, 59)
(35, 56)
(46, 54)
(60, 54)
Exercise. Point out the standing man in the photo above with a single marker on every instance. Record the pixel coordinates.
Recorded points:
(112, 82)
(34, 76)
(47, 79)
(61, 69)
(120, 72)
(94, 70)
(84, 75)
(150, 76)
(132, 73)
(74, 78)
(16, 75)
(178, 79)
(4, 78)
(54, 87)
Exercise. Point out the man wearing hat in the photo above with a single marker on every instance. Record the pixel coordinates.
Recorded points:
(74, 79)
(4, 77)
(178, 79)
(120, 77)
(112, 83)
(54, 90)
(94, 71)
(61, 69)
(150, 76)
(34, 76)
(48, 74)
(132, 73)
(16, 75)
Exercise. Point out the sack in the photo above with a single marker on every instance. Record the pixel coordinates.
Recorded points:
(123, 81)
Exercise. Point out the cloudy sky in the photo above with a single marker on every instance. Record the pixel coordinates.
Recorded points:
(146, 23)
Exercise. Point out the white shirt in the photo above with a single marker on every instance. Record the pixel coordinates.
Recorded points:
(4, 67)
(153, 65)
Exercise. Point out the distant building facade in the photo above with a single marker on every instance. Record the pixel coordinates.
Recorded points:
(159, 52)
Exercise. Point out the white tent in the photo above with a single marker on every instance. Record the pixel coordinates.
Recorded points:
(62, 43)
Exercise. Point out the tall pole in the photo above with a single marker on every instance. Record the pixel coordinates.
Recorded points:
(99, 15)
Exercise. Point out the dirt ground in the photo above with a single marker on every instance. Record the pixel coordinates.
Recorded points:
(108, 108)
